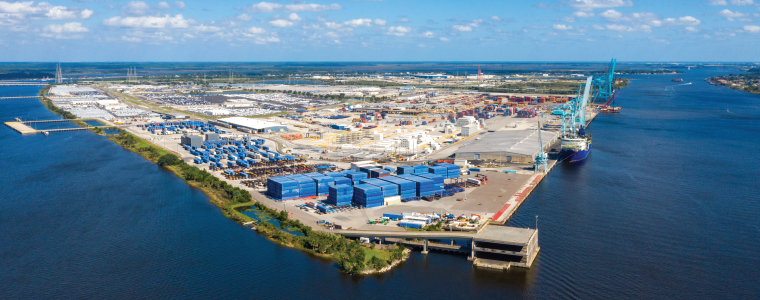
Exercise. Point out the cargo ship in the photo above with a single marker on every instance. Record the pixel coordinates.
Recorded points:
(575, 148)
(678, 79)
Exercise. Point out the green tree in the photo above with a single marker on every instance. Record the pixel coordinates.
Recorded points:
(168, 160)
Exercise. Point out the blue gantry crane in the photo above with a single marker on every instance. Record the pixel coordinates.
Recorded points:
(542, 160)
(573, 112)
(603, 84)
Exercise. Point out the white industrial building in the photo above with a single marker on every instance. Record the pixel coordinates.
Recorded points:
(252, 125)
(507, 146)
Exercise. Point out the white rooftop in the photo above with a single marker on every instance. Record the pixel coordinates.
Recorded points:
(249, 123)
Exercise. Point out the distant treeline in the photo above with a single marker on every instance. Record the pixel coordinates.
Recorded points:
(25, 75)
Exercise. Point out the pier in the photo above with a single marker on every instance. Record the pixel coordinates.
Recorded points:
(21, 126)
(499, 247)
(19, 97)
(7, 83)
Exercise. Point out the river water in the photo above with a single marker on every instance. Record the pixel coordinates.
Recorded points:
(666, 206)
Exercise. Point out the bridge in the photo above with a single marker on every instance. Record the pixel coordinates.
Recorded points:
(493, 246)
(19, 97)
(9, 83)
(50, 121)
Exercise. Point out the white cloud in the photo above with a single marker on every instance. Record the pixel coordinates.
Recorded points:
(131, 39)
(752, 28)
(562, 27)
(588, 5)
(337, 42)
(136, 7)
(359, 23)
(338, 27)
(612, 15)
(11, 11)
(255, 31)
(718, 2)
(691, 29)
(617, 27)
(443, 39)
(265, 40)
(64, 31)
(729, 15)
(421, 45)
(428, 34)
(149, 22)
(399, 30)
(281, 23)
(164, 5)
(597, 27)
(688, 20)
(462, 28)
(475, 23)
(265, 7)
(403, 20)
(66, 28)
(380, 22)
(312, 7)
(179, 4)
(294, 17)
(583, 14)
(204, 28)
(742, 2)
(86, 13)
(495, 19)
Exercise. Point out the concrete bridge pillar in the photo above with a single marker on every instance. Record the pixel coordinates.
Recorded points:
(472, 248)
(425, 247)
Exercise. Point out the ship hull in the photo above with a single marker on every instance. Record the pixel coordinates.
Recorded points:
(575, 156)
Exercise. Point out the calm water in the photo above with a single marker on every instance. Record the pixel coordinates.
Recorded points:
(666, 206)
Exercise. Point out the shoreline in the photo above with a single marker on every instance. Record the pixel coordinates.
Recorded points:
(349, 261)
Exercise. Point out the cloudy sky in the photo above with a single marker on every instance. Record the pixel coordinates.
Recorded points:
(389, 30)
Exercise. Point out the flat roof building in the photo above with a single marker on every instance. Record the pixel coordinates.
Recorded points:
(252, 125)
(507, 146)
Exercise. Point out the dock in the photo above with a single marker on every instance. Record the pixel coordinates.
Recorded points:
(509, 246)
(22, 128)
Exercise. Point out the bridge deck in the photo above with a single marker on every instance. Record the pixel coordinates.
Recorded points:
(492, 233)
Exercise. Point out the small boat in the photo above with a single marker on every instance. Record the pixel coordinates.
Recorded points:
(46, 133)
(678, 79)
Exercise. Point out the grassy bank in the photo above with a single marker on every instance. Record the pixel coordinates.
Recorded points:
(350, 255)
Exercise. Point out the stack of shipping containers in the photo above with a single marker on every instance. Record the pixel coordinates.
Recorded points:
(406, 189)
(368, 195)
(307, 187)
(282, 188)
(425, 187)
(453, 171)
(341, 194)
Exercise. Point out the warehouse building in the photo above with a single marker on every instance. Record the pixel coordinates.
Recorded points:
(191, 140)
(520, 146)
(252, 125)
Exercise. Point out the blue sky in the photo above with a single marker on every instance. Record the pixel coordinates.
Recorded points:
(389, 30)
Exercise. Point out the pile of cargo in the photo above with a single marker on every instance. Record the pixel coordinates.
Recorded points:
(420, 169)
(425, 187)
(439, 170)
(179, 127)
(368, 195)
(407, 190)
(528, 112)
(340, 194)
(452, 170)
(306, 186)
(437, 181)
(404, 170)
(292, 137)
(355, 176)
(323, 182)
(389, 189)
(282, 188)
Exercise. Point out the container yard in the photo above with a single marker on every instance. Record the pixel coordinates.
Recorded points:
(405, 161)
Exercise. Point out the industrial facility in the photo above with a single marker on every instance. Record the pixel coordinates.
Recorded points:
(520, 146)
(252, 125)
